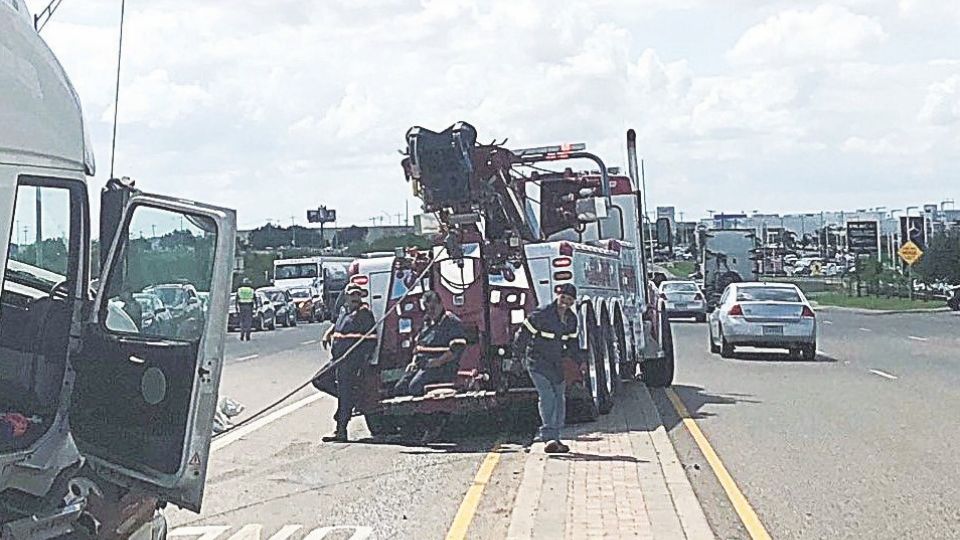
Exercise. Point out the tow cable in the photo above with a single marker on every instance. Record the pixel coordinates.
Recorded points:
(333, 363)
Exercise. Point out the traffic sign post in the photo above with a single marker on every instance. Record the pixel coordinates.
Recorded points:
(910, 253)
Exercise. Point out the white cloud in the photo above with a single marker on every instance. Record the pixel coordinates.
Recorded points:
(272, 107)
(942, 106)
(828, 32)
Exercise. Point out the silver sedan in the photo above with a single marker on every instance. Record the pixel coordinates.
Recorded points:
(769, 315)
(684, 299)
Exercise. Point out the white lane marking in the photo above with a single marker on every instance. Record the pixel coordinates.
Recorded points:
(254, 531)
(883, 374)
(866, 330)
(311, 342)
(915, 338)
(827, 322)
(248, 357)
(239, 433)
(206, 532)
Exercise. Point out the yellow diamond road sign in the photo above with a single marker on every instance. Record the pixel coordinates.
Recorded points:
(910, 253)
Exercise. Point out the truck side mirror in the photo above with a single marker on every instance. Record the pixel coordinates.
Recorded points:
(591, 209)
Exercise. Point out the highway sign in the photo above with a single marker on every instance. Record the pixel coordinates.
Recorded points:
(910, 253)
(913, 229)
(863, 237)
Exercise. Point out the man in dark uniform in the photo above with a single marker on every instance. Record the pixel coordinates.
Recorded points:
(438, 348)
(355, 326)
(542, 342)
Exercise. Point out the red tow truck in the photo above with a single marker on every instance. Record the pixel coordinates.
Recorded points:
(513, 230)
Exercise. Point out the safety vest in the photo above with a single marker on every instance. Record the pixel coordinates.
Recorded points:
(245, 295)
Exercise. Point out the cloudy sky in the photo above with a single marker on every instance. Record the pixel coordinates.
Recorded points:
(274, 106)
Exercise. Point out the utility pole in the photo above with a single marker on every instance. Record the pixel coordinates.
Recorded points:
(406, 206)
(293, 230)
(39, 254)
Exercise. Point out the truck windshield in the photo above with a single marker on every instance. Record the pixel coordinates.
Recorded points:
(295, 271)
(170, 296)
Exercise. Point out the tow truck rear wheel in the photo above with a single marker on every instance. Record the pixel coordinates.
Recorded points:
(588, 409)
(658, 373)
(610, 379)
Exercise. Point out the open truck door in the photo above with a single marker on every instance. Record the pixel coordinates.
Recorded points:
(143, 402)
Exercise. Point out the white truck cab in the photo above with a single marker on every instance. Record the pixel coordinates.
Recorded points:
(100, 425)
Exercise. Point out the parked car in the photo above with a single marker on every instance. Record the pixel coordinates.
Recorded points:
(309, 303)
(769, 315)
(264, 313)
(157, 319)
(684, 299)
(184, 305)
(285, 309)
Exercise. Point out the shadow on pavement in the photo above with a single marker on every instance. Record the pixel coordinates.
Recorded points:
(768, 356)
(695, 399)
(579, 456)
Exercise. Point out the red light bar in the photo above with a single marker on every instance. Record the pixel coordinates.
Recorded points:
(563, 275)
(562, 262)
(550, 150)
(360, 280)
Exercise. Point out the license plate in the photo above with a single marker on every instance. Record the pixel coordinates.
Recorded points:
(680, 305)
(773, 330)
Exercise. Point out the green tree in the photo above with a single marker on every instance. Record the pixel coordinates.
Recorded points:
(941, 259)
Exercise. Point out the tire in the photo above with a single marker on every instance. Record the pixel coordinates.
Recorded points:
(293, 320)
(382, 425)
(658, 373)
(273, 322)
(702, 318)
(726, 349)
(587, 410)
(607, 382)
(714, 348)
(809, 352)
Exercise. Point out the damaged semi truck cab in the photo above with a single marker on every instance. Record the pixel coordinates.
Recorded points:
(101, 422)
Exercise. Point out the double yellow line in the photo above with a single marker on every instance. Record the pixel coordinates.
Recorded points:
(747, 516)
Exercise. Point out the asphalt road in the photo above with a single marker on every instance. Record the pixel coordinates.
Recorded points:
(859, 444)
(280, 481)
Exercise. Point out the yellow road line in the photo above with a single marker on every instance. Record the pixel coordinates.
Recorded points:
(461, 522)
(747, 516)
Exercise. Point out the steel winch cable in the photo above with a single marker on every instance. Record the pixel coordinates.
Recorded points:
(333, 363)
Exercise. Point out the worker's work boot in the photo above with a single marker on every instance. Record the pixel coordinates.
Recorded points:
(562, 448)
(553, 447)
(339, 436)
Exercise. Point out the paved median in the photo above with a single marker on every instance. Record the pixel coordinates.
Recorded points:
(622, 479)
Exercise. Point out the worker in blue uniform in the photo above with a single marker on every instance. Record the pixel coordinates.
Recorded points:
(543, 341)
(439, 346)
(353, 340)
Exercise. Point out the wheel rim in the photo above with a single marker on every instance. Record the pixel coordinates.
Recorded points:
(594, 385)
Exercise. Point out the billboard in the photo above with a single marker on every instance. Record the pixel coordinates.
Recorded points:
(322, 215)
(664, 233)
(863, 237)
(912, 228)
